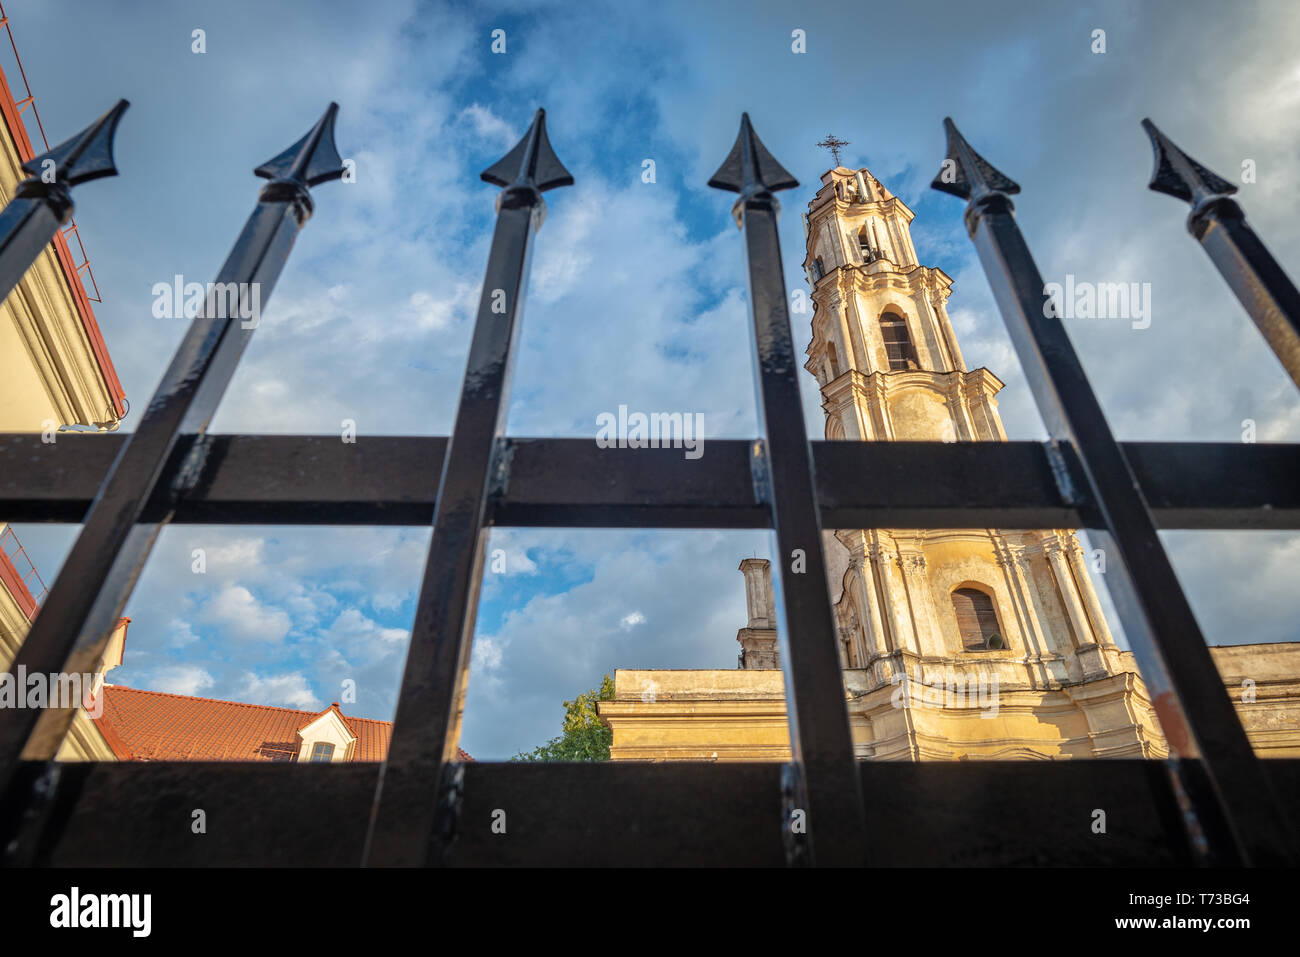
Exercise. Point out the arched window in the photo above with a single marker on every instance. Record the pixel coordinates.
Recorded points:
(864, 246)
(977, 620)
(818, 270)
(898, 344)
(832, 360)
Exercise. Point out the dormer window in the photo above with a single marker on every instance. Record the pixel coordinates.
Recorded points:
(322, 751)
(326, 738)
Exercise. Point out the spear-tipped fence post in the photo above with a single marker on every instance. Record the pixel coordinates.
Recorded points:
(824, 780)
(1219, 225)
(43, 201)
(161, 460)
(417, 801)
(1229, 806)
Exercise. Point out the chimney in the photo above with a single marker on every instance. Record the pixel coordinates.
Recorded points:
(758, 638)
(758, 592)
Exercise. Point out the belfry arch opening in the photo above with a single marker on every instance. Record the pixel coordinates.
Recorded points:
(977, 619)
(899, 347)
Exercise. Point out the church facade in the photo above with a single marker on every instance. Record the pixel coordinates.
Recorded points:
(955, 643)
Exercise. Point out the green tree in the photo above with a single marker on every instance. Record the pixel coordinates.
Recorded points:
(584, 736)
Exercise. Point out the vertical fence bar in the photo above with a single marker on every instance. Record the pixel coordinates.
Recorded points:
(1233, 816)
(71, 632)
(820, 741)
(43, 201)
(413, 817)
(1219, 225)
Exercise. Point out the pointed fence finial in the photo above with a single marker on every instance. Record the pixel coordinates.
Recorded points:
(86, 156)
(967, 174)
(1177, 174)
(42, 202)
(749, 167)
(310, 161)
(531, 163)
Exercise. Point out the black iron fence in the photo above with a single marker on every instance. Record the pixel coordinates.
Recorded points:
(1212, 802)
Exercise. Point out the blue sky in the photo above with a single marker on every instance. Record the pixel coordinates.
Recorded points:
(637, 291)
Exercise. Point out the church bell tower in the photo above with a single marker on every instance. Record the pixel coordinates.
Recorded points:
(1015, 610)
(883, 348)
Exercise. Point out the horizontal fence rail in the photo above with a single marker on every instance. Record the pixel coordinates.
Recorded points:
(381, 480)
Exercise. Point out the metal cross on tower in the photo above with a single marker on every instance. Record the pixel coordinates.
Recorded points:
(834, 144)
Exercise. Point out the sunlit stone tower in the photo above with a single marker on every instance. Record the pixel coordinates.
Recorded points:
(974, 602)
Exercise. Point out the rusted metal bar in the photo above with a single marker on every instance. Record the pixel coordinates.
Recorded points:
(1219, 225)
(415, 803)
(42, 202)
(825, 821)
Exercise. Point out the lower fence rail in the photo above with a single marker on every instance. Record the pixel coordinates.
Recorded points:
(991, 813)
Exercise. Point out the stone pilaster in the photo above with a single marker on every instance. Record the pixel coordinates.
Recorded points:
(1090, 599)
(921, 602)
(895, 600)
(1015, 566)
(1069, 592)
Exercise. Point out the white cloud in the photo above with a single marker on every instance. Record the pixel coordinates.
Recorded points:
(242, 553)
(435, 313)
(488, 126)
(487, 654)
(236, 610)
(515, 561)
(181, 679)
(352, 629)
(290, 690)
(181, 633)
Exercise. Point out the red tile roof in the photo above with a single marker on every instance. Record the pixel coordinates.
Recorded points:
(154, 726)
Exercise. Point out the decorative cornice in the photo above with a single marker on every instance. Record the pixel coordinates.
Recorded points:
(1051, 547)
(912, 561)
(1008, 556)
(970, 385)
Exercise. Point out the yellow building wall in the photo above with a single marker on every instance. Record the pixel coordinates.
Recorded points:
(49, 370)
(739, 715)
